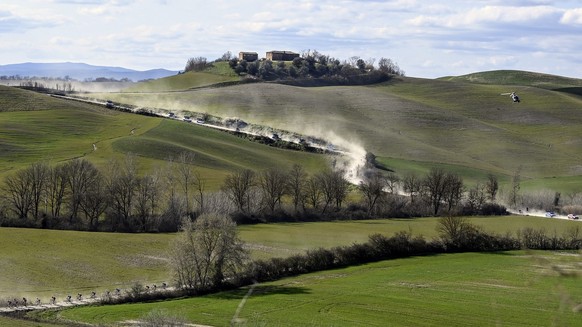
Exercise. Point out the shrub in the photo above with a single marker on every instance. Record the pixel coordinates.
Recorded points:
(158, 317)
(493, 209)
(319, 259)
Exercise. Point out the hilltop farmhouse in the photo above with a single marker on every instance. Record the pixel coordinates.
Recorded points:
(248, 56)
(271, 55)
(281, 55)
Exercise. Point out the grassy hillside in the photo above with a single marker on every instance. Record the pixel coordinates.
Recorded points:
(467, 126)
(218, 73)
(56, 130)
(518, 77)
(461, 124)
(444, 290)
(36, 127)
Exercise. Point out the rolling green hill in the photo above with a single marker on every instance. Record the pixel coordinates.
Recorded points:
(36, 127)
(220, 72)
(413, 124)
(518, 77)
(458, 123)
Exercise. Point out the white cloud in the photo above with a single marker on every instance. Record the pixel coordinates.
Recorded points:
(487, 15)
(428, 38)
(572, 16)
(11, 22)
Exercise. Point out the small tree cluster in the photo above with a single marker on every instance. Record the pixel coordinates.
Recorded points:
(262, 193)
(315, 65)
(206, 252)
(196, 64)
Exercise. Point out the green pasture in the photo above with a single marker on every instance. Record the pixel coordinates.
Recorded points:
(517, 77)
(218, 73)
(281, 239)
(14, 322)
(504, 289)
(468, 126)
(61, 130)
(42, 263)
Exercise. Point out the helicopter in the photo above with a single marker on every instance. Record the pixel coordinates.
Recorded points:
(513, 96)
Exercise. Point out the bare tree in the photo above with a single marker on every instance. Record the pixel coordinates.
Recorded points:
(272, 183)
(392, 181)
(80, 174)
(94, 202)
(492, 187)
(239, 186)
(454, 230)
(412, 185)
(453, 190)
(56, 189)
(18, 190)
(434, 186)
(196, 64)
(334, 188)
(515, 186)
(226, 56)
(122, 187)
(206, 252)
(146, 199)
(200, 192)
(387, 66)
(297, 179)
(476, 198)
(313, 193)
(38, 175)
(186, 176)
(175, 207)
(373, 190)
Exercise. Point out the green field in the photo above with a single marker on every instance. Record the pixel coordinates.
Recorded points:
(503, 289)
(42, 263)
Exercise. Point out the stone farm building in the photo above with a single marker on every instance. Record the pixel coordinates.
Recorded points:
(248, 56)
(281, 55)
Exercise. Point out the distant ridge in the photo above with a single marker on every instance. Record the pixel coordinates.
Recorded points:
(80, 71)
(516, 77)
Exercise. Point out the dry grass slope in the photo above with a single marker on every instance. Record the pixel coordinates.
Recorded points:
(465, 125)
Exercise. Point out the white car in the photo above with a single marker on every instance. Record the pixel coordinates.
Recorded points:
(550, 214)
(572, 216)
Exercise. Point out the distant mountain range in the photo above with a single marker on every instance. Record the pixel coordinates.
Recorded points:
(80, 71)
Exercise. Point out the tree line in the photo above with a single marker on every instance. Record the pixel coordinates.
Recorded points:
(78, 195)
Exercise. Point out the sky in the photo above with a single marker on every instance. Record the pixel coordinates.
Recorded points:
(426, 39)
